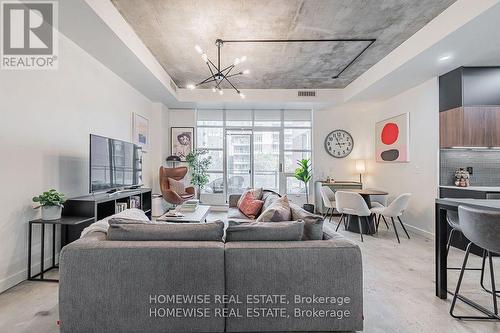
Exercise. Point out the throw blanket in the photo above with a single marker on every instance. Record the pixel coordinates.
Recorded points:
(103, 225)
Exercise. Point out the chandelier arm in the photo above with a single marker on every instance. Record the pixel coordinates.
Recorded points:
(210, 69)
(207, 80)
(225, 78)
(235, 74)
(215, 67)
(230, 66)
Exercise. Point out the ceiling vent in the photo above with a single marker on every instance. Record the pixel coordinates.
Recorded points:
(305, 93)
(173, 86)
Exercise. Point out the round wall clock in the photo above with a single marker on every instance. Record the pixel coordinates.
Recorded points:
(339, 143)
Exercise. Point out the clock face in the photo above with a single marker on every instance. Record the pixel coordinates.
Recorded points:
(339, 143)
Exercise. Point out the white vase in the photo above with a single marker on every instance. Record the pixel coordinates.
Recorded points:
(51, 213)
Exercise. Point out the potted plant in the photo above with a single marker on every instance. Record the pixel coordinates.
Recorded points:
(199, 164)
(51, 203)
(304, 174)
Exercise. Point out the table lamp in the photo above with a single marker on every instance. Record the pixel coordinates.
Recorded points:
(360, 168)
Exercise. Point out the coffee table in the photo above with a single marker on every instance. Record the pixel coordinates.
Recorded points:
(198, 216)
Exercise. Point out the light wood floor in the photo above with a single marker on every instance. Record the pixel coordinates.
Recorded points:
(398, 291)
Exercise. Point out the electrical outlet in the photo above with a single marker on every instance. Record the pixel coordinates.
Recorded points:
(469, 170)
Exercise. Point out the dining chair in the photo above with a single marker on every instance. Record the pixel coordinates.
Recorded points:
(353, 204)
(394, 210)
(328, 198)
(378, 200)
(481, 227)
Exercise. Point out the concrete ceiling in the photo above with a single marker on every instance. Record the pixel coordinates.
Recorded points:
(171, 29)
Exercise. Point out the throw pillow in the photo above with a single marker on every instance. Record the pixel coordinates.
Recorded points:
(256, 231)
(177, 186)
(278, 211)
(313, 224)
(257, 194)
(250, 206)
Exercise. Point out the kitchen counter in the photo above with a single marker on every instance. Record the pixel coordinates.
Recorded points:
(475, 188)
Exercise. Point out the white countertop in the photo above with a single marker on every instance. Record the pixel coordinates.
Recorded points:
(475, 188)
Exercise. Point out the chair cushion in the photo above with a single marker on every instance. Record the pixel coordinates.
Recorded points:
(141, 231)
(257, 194)
(278, 211)
(257, 231)
(377, 210)
(177, 186)
(376, 204)
(249, 205)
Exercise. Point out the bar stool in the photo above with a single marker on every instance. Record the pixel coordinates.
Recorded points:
(482, 228)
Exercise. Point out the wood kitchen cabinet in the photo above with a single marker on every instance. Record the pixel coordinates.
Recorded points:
(470, 126)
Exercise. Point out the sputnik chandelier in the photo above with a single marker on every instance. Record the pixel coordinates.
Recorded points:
(217, 74)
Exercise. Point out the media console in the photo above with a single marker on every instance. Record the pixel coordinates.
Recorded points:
(99, 206)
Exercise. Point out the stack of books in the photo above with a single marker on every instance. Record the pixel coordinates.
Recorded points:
(120, 207)
(189, 206)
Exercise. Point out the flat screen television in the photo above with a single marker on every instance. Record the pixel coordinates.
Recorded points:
(114, 164)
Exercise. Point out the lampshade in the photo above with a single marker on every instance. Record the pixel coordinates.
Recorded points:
(360, 166)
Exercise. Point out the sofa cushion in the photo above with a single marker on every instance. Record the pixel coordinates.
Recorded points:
(235, 214)
(257, 231)
(166, 231)
(278, 211)
(313, 227)
(249, 205)
(177, 186)
(257, 194)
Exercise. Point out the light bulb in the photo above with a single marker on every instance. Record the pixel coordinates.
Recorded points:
(242, 95)
(246, 71)
(204, 57)
(243, 59)
(198, 49)
(213, 89)
(221, 92)
(236, 61)
(190, 86)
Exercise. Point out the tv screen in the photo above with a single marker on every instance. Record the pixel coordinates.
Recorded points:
(114, 164)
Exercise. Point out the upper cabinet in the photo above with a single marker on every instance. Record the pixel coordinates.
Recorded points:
(469, 105)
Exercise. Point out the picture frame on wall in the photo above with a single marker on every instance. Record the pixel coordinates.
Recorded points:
(182, 141)
(392, 139)
(140, 131)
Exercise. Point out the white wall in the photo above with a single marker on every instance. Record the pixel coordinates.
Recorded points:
(46, 118)
(419, 176)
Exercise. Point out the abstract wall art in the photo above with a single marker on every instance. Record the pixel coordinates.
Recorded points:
(392, 137)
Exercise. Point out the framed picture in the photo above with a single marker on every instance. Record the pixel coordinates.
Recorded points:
(182, 139)
(392, 139)
(140, 131)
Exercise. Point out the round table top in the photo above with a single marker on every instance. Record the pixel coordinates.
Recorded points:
(366, 191)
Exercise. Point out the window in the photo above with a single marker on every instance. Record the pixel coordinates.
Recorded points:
(278, 138)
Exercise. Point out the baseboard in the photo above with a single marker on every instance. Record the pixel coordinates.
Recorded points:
(21, 276)
(419, 231)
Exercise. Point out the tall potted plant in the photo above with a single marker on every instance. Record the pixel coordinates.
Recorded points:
(51, 203)
(304, 174)
(198, 164)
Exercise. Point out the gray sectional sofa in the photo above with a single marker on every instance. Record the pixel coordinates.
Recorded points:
(261, 286)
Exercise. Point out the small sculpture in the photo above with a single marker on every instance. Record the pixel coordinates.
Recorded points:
(462, 177)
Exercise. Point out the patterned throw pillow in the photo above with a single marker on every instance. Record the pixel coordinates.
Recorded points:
(177, 186)
(278, 211)
(250, 206)
(257, 194)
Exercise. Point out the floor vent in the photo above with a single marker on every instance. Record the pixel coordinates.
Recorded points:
(306, 93)
(173, 85)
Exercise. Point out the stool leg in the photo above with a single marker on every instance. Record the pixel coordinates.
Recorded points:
(448, 244)
(493, 288)
(460, 278)
(482, 274)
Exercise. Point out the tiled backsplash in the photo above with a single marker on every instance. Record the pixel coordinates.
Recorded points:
(485, 164)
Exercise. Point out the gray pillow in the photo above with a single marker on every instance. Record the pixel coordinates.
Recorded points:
(256, 231)
(313, 224)
(268, 198)
(166, 231)
(278, 211)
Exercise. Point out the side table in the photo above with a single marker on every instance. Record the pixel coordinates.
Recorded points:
(65, 222)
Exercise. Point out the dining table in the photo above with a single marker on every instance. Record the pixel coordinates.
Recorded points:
(442, 206)
(353, 225)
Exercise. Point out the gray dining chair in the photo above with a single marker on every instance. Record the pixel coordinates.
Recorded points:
(482, 228)
(352, 203)
(394, 210)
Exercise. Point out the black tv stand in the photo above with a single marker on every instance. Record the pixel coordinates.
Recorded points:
(98, 206)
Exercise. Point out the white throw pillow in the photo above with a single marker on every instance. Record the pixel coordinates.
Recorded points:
(177, 186)
(278, 211)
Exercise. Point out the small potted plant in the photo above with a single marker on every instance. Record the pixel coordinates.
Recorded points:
(304, 174)
(199, 164)
(51, 203)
